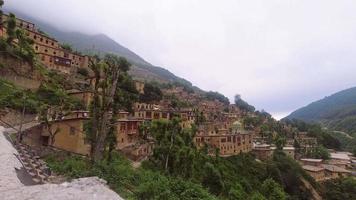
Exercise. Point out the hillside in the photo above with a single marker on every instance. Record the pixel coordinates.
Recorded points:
(101, 44)
(338, 111)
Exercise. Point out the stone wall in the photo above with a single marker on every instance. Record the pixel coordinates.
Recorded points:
(12, 117)
(19, 72)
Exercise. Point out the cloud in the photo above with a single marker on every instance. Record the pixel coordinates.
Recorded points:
(279, 55)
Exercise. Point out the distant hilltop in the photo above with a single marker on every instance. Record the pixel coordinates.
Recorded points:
(337, 111)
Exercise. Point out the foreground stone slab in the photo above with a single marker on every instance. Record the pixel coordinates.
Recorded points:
(91, 188)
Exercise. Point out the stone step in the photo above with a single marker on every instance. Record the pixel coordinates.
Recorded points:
(37, 180)
(42, 177)
(32, 174)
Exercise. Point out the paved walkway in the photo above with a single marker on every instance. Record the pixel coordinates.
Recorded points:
(11, 188)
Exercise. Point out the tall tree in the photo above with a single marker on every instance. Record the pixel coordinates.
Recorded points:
(11, 28)
(102, 111)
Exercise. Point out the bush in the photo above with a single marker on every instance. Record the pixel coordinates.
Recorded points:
(83, 71)
(340, 189)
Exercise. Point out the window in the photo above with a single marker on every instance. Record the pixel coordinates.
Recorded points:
(34, 37)
(46, 50)
(52, 43)
(43, 58)
(46, 41)
(72, 131)
(54, 52)
(36, 47)
(41, 39)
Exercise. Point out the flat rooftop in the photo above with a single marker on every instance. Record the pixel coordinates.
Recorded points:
(312, 168)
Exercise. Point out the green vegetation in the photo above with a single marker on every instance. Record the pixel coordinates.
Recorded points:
(113, 91)
(16, 98)
(128, 182)
(67, 47)
(337, 112)
(324, 136)
(217, 96)
(152, 93)
(243, 105)
(23, 47)
(318, 152)
(83, 71)
(204, 177)
(340, 189)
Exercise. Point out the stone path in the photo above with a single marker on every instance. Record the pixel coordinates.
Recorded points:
(11, 188)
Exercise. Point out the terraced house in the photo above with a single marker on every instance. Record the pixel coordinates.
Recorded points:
(228, 140)
(49, 50)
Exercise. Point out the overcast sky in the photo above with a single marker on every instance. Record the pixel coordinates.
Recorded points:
(278, 54)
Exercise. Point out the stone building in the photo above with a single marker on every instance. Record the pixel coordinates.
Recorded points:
(321, 170)
(69, 134)
(50, 52)
(227, 142)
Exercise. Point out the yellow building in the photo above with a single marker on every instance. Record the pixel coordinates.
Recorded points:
(68, 135)
(227, 142)
(50, 52)
(317, 173)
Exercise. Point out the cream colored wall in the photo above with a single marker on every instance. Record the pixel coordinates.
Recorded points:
(71, 142)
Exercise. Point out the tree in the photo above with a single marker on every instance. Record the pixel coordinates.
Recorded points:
(25, 46)
(102, 110)
(217, 96)
(173, 147)
(257, 196)
(48, 116)
(1, 12)
(354, 151)
(67, 47)
(280, 142)
(11, 28)
(243, 105)
(152, 93)
(272, 190)
(319, 152)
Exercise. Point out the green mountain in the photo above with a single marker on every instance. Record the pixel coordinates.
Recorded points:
(101, 44)
(337, 112)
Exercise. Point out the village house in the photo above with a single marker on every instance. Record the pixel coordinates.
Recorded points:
(264, 151)
(67, 133)
(305, 142)
(320, 170)
(84, 97)
(70, 135)
(150, 111)
(50, 52)
(227, 142)
(318, 173)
